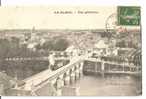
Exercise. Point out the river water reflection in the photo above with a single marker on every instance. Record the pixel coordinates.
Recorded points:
(97, 86)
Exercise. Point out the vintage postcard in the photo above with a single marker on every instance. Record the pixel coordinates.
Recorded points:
(70, 51)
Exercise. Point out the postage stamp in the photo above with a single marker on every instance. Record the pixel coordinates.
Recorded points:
(128, 15)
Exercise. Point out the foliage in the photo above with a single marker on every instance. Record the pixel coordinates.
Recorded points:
(54, 45)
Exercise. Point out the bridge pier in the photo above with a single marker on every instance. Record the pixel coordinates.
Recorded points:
(102, 69)
(81, 69)
(77, 74)
(67, 78)
(72, 77)
(59, 85)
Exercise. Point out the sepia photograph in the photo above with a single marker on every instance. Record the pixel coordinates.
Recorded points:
(70, 51)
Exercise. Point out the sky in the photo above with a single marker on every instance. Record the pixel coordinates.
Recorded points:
(44, 17)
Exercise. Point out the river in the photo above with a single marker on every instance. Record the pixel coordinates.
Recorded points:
(113, 86)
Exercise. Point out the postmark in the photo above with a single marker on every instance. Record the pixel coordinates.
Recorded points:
(120, 21)
(111, 25)
(128, 15)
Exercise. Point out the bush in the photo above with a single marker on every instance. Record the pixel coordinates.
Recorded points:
(54, 45)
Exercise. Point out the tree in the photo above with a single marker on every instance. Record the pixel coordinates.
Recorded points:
(54, 44)
(4, 48)
(61, 45)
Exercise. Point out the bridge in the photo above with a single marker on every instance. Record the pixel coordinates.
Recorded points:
(61, 78)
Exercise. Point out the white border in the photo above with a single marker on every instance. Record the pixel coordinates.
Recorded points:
(70, 2)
